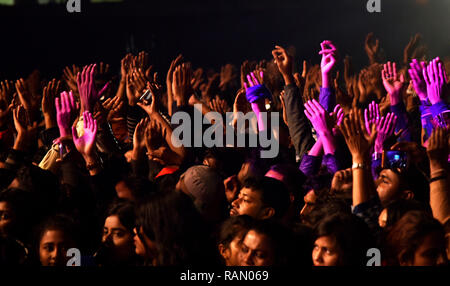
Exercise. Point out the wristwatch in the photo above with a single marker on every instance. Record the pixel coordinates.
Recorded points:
(358, 166)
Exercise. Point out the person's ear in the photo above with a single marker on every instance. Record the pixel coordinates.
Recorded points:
(224, 251)
(268, 212)
(408, 195)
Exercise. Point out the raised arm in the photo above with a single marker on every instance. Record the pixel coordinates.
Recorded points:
(438, 150)
(298, 124)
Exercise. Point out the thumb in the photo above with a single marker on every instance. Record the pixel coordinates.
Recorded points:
(105, 87)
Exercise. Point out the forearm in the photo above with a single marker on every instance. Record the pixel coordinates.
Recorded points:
(363, 185)
(329, 145)
(49, 121)
(317, 149)
(121, 89)
(261, 115)
(327, 98)
(439, 192)
(167, 130)
(326, 81)
(93, 163)
(399, 110)
(298, 124)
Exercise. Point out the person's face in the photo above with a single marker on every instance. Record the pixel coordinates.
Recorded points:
(120, 238)
(325, 252)
(148, 252)
(248, 203)
(388, 186)
(53, 248)
(256, 250)
(231, 253)
(431, 252)
(6, 218)
(310, 200)
(124, 192)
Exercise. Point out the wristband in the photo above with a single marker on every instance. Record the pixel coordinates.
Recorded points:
(257, 92)
(358, 166)
(443, 177)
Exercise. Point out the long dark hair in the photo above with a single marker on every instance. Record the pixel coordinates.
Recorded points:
(407, 234)
(351, 234)
(174, 225)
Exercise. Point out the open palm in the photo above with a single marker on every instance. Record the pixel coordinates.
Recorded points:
(85, 144)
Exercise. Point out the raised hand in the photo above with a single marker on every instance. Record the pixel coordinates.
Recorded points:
(6, 104)
(357, 138)
(338, 116)
(6, 91)
(86, 87)
(103, 71)
(300, 79)
(385, 129)
(436, 80)
(151, 108)
(26, 131)
(113, 106)
(141, 61)
(85, 144)
(284, 64)
(320, 119)
(373, 49)
(136, 82)
(417, 78)
(219, 105)
(342, 181)
(240, 102)
(169, 81)
(154, 137)
(413, 49)
(70, 77)
(197, 79)
(29, 102)
(66, 110)
(329, 55)
(210, 89)
(322, 123)
(372, 116)
(227, 75)
(49, 94)
(139, 141)
(393, 82)
(181, 85)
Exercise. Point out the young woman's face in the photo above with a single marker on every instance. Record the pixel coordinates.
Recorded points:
(118, 237)
(256, 250)
(325, 252)
(53, 248)
(431, 252)
(231, 253)
(6, 218)
(144, 248)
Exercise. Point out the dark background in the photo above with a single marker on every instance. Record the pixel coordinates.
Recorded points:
(210, 33)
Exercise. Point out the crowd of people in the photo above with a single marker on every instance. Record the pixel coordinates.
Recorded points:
(90, 161)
